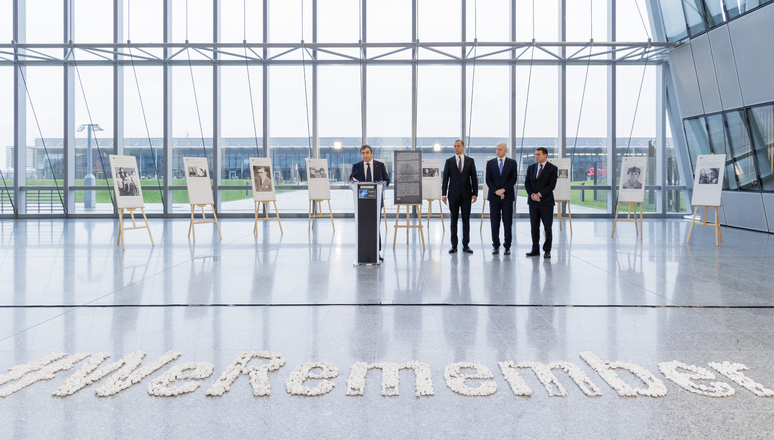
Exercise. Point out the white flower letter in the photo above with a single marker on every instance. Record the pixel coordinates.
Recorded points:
(128, 375)
(84, 377)
(259, 375)
(685, 380)
(390, 378)
(456, 381)
(547, 378)
(655, 388)
(295, 383)
(198, 370)
(514, 379)
(17, 371)
(733, 371)
(48, 372)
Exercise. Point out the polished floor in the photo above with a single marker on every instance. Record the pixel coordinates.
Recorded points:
(65, 287)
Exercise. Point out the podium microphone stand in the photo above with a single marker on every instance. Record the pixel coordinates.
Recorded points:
(368, 206)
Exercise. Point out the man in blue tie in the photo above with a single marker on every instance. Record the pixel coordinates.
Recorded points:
(501, 178)
(540, 182)
(460, 183)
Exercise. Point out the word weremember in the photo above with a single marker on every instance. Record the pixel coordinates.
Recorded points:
(186, 378)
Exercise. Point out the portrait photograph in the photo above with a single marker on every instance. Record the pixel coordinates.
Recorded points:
(562, 173)
(429, 172)
(263, 181)
(127, 181)
(633, 178)
(709, 176)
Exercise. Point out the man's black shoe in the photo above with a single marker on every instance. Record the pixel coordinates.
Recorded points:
(508, 251)
(467, 249)
(453, 250)
(495, 251)
(533, 254)
(547, 255)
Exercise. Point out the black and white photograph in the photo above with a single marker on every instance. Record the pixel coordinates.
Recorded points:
(317, 173)
(562, 173)
(430, 172)
(197, 172)
(709, 176)
(262, 181)
(633, 178)
(127, 181)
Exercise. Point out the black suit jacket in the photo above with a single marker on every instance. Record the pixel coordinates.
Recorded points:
(456, 185)
(507, 181)
(379, 171)
(544, 185)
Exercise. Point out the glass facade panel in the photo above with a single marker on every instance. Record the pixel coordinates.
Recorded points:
(143, 21)
(389, 108)
(339, 119)
(48, 27)
(46, 95)
(93, 22)
(544, 14)
(735, 8)
(697, 138)
(388, 21)
(761, 120)
(6, 21)
(694, 16)
(439, 20)
(6, 131)
(742, 152)
(715, 12)
(241, 21)
(589, 20)
(490, 22)
(632, 13)
(674, 19)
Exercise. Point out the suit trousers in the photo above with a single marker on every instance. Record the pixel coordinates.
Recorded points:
(499, 206)
(539, 212)
(455, 206)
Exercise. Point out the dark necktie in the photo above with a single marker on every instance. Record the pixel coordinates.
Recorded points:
(501, 167)
(459, 163)
(540, 170)
(368, 173)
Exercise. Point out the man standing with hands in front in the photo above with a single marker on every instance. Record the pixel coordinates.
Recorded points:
(461, 184)
(501, 178)
(540, 182)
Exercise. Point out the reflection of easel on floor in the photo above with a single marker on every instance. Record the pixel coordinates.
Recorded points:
(204, 219)
(430, 214)
(315, 211)
(629, 217)
(408, 224)
(121, 227)
(384, 213)
(484, 214)
(265, 204)
(703, 222)
(559, 216)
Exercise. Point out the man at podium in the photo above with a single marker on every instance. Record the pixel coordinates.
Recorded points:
(368, 169)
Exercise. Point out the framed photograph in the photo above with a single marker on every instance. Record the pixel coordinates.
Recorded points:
(126, 182)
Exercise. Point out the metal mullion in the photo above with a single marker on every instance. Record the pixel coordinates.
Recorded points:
(68, 117)
(363, 74)
(216, 106)
(463, 75)
(20, 113)
(118, 80)
(315, 103)
(266, 97)
(414, 77)
(611, 109)
(167, 104)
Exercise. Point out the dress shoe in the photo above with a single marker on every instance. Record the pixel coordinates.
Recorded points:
(495, 251)
(547, 255)
(453, 250)
(507, 251)
(467, 250)
(533, 254)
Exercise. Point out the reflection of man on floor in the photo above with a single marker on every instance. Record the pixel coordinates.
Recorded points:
(634, 179)
(262, 180)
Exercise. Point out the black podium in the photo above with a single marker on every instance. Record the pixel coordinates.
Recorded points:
(368, 206)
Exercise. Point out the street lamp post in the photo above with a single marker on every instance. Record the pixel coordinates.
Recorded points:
(89, 196)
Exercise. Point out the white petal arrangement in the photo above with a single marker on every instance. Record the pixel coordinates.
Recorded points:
(549, 380)
(40, 370)
(686, 380)
(295, 382)
(191, 372)
(85, 377)
(456, 380)
(259, 375)
(733, 371)
(390, 378)
(655, 387)
(514, 379)
(127, 375)
(17, 371)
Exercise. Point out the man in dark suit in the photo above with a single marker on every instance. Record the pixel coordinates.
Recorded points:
(368, 169)
(461, 184)
(501, 178)
(540, 182)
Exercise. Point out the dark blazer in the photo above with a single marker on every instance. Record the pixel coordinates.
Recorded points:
(456, 185)
(380, 172)
(544, 185)
(506, 181)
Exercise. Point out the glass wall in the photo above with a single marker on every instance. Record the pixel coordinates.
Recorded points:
(682, 18)
(322, 102)
(761, 120)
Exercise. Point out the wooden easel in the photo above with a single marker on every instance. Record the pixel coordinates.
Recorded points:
(121, 227)
(718, 236)
(266, 215)
(629, 217)
(484, 214)
(204, 219)
(561, 217)
(315, 211)
(408, 224)
(430, 214)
